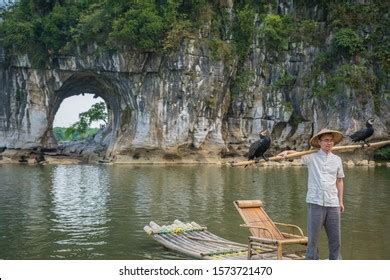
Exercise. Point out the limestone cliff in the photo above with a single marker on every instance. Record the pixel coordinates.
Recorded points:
(184, 100)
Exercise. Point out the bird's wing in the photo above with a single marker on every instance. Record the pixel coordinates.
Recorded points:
(358, 135)
(267, 142)
(253, 148)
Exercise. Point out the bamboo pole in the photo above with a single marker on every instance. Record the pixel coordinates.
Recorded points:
(218, 241)
(337, 149)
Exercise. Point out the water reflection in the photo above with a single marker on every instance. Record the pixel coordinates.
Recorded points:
(23, 210)
(79, 208)
(98, 212)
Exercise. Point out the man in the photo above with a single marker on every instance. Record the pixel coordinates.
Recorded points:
(324, 194)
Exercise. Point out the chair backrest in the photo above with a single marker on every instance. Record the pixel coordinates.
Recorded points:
(253, 214)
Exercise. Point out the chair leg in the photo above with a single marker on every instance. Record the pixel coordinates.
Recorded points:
(280, 252)
(249, 255)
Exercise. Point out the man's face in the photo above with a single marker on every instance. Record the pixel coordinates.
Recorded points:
(326, 142)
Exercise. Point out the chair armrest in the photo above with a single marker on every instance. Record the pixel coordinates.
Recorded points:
(263, 240)
(291, 227)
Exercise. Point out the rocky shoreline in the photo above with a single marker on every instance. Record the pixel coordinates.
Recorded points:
(31, 157)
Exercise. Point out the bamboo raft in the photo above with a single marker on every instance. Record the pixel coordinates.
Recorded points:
(336, 149)
(197, 242)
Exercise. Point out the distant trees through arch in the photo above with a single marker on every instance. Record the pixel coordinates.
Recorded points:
(79, 117)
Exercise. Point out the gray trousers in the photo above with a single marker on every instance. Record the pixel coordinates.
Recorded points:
(329, 217)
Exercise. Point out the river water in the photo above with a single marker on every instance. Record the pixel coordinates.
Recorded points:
(99, 211)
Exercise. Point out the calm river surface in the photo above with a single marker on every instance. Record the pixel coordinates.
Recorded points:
(98, 211)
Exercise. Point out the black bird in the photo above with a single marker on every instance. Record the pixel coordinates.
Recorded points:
(364, 133)
(258, 148)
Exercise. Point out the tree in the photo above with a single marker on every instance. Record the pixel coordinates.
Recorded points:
(140, 26)
(97, 112)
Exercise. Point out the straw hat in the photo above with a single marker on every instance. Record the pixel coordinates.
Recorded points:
(337, 137)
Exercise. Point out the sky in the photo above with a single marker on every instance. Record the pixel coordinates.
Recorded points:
(71, 107)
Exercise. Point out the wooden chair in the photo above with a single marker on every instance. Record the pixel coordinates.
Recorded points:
(264, 230)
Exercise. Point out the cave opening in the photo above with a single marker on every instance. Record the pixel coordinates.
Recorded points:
(82, 125)
(73, 102)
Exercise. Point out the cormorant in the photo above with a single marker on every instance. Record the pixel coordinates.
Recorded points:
(364, 133)
(258, 148)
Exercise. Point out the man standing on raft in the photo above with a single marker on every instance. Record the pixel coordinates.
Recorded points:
(324, 193)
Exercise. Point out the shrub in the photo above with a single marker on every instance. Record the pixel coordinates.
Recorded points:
(304, 31)
(348, 41)
(274, 31)
(243, 31)
(242, 82)
(327, 89)
(140, 26)
(284, 82)
(382, 153)
(220, 50)
(175, 36)
(357, 77)
(92, 27)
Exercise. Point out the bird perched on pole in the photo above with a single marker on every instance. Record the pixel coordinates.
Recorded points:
(258, 148)
(363, 134)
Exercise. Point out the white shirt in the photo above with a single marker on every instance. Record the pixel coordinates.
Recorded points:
(324, 169)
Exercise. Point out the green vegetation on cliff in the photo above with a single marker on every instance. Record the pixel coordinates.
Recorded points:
(351, 39)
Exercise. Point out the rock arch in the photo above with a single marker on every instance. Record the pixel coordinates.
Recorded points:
(99, 85)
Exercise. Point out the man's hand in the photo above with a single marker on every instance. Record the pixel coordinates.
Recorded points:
(284, 154)
(340, 190)
(341, 207)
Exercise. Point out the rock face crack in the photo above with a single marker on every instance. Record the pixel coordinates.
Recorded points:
(175, 103)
